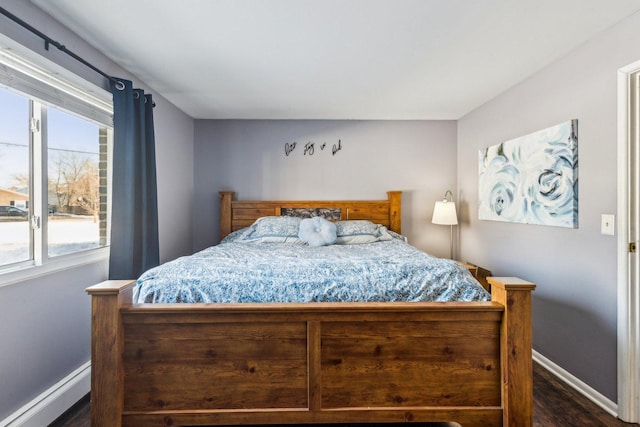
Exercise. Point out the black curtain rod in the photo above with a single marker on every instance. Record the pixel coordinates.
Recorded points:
(49, 41)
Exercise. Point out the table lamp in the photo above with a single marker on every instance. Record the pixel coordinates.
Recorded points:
(444, 213)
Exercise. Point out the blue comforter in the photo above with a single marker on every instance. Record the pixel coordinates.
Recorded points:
(275, 272)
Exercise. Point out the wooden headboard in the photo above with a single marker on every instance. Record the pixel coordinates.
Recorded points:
(236, 214)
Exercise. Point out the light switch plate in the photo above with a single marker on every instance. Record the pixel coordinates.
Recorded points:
(607, 225)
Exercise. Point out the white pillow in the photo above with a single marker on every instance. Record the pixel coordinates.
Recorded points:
(272, 229)
(317, 231)
(360, 231)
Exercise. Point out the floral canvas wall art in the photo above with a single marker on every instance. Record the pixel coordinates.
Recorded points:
(532, 179)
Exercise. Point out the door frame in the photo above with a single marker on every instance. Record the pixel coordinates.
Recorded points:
(627, 277)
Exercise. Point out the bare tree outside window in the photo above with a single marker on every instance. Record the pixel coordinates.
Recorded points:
(87, 189)
(74, 179)
(21, 181)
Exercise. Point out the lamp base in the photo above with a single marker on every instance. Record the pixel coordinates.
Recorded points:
(451, 244)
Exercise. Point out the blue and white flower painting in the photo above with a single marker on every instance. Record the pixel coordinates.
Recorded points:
(532, 179)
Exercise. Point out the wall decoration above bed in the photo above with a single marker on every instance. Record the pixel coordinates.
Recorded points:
(532, 179)
(311, 148)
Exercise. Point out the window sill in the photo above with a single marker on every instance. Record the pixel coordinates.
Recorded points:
(64, 262)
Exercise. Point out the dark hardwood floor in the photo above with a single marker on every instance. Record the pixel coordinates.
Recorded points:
(554, 404)
(557, 404)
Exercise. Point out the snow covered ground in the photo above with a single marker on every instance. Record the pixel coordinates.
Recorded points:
(65, 236)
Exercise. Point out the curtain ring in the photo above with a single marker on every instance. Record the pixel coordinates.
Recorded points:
(119, 85)
(136, 95)
(146, 98)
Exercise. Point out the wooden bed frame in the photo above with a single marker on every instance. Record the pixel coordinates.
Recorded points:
(163, 365)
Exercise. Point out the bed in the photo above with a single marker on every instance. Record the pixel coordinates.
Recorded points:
(281, 362)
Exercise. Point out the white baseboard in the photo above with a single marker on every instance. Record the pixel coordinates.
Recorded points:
(581, 387)
(52, 403)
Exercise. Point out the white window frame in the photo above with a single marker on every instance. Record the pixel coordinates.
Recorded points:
(41, 80)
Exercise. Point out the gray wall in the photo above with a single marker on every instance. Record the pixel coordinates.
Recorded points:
(248, 156)
(574, 307)
(45, 322)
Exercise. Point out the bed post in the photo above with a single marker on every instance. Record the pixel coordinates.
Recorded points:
(107, 375)
(515, 349)
(225, 213)
(395, 211)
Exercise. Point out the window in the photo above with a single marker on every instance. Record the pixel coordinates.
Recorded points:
(14, 160)
(73, 196)
(55, 140)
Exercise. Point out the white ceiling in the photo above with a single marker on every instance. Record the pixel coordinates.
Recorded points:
(335, 59)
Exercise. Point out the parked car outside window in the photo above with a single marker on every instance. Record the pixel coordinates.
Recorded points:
(12, 211)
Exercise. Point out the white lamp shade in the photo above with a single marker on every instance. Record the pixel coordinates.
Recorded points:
(444, 213)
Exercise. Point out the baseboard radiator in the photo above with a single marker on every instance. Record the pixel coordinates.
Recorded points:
(53, 402)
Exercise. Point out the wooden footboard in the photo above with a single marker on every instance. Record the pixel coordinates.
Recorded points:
(232, 364)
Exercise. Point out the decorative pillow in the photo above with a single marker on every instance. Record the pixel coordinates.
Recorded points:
(272, 229)
(360, 231)
(331, 214)
(317, 231)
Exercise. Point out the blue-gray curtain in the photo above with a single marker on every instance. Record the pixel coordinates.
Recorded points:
(134, 213)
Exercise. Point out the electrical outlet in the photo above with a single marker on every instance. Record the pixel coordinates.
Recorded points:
(607, 224)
